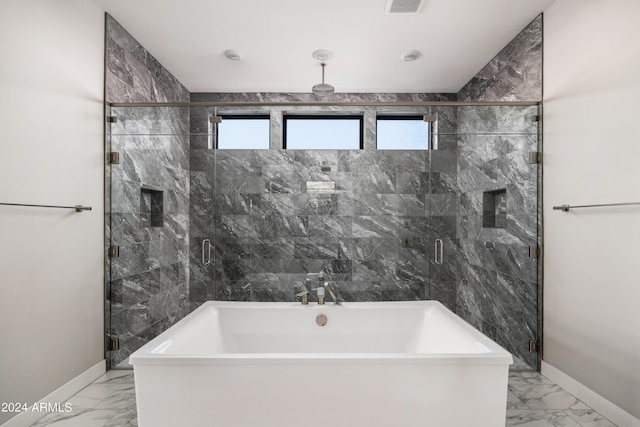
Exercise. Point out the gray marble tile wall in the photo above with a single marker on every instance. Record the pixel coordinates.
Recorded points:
(514, 74)
(499, 286)
(147, 196)
(372, 235)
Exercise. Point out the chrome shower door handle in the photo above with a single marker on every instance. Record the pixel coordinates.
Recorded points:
(206, 252)
(438, 250)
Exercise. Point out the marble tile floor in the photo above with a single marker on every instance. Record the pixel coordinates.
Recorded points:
(533, 401)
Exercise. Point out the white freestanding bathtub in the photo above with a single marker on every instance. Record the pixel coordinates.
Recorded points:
(373, 364)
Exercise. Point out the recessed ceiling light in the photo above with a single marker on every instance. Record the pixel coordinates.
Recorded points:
(411, 55)
(233, 55)
(322, 55)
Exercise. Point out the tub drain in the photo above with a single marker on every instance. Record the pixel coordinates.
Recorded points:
(321, 319)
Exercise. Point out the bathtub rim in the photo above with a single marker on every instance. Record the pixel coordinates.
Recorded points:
(145, 357)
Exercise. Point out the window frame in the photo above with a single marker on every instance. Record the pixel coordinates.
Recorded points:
(359, 117)
(409, 116)
(241, 117)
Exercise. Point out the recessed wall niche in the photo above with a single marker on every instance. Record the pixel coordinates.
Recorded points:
(494, 208)
(151, 208)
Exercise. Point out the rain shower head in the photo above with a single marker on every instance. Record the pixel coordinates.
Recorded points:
(323, 89)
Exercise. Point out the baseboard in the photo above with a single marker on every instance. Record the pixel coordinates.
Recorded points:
(614, 413)
(63, 393)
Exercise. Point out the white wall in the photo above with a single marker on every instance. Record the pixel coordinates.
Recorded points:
(592, 155)
(51, 151)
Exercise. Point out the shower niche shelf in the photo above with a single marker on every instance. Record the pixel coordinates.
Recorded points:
(151, 207)
(494, 208)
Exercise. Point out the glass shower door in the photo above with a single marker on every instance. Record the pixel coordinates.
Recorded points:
(442, 208)
(498, 224)
(454, 223)
(146, 226)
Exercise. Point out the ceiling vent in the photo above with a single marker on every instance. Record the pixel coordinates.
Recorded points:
(394, 7)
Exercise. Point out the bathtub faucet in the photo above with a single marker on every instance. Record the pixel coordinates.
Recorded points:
(329, 288)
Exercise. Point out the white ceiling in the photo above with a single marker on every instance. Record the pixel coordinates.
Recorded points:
(277, 37)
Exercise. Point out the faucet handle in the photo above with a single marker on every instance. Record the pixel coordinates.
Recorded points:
(304, 297)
